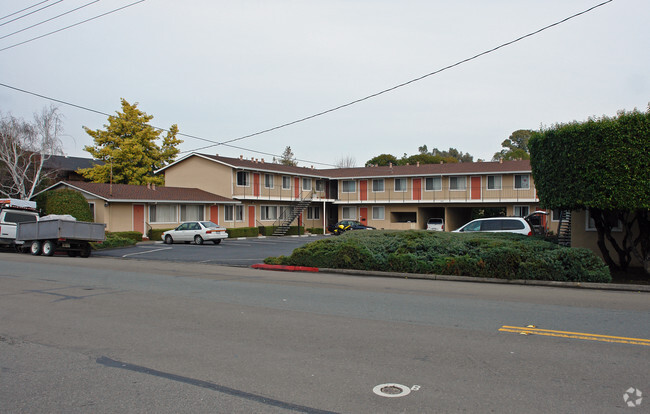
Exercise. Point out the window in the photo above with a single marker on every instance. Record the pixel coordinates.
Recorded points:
(313, 213)
(239, 213)
(242, 178)
(433, 184)
(191, 213)
(494, 182)
(320, 185)
(162, 213)
(521, 211)
(286, 182)
(400, 184)
(556, 213)
(349, 213)
(611, 218)
(522, 181)
(306, 184)
(268, 180)
(349, 186)
(378, 213)
(228, 213)
(457, 183)
(92, 210)
(378, 186)
(285, 212)
(269, 212)
(404, 217)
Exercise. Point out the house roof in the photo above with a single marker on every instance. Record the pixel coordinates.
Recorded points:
(65, 163)
(465, 168)
(143, 193)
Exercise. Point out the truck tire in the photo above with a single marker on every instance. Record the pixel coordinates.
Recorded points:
(85, 250)
(35, 248)
(49, 247)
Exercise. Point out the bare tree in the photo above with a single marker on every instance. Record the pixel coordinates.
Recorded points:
(24, 149)
(347, 161)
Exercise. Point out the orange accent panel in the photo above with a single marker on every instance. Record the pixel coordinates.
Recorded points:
(296, 187)
(138, 218)
(256, 184)
(363, 215)
(363, 188)
(251, 216)
(417, 189)
(475, 188)
(214, 214)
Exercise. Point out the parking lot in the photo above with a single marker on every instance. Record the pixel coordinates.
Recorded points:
(230, 252)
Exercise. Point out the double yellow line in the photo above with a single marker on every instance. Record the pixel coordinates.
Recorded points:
(531, 330)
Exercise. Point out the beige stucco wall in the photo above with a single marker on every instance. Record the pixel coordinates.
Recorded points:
(197, 172)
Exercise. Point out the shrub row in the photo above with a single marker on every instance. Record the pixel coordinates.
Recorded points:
(243, 232)
(505, 256)
(113, 240)
(136, 236)
(156, 234)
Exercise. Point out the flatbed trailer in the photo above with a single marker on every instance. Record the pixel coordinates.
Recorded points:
(49, 236)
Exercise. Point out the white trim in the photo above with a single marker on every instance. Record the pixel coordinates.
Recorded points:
(432, 177)
(406, 184)
(383, 182)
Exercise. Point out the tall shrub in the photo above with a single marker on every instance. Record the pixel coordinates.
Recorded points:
(67, 202)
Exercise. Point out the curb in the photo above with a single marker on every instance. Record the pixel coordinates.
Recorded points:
(470, 279)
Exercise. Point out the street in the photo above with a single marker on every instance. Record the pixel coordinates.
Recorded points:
(107, 335)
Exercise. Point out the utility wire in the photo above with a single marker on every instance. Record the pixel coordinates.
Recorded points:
(374, 95)
(32, 12)
(26, 8)
(73, 25)
(48, 20)
(226, 143)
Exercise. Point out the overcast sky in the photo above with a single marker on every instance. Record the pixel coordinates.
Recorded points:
(226, 69)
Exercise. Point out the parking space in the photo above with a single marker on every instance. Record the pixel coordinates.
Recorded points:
(230, 252)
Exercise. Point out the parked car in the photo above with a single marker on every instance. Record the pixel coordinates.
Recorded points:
(197, 232)
(499, 225)
(436, 224)
(345, 225)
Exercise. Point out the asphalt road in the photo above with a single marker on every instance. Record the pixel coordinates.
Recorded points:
(230, 252)
(106, 335)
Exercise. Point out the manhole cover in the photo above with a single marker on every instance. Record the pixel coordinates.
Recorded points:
(391, 390)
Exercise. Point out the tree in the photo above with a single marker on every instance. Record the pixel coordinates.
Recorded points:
(600, 165)
(129, 150)
(347, 161)
(382, 160)
(288, 157)
(65, 201)
(515, 147)
(24, 149)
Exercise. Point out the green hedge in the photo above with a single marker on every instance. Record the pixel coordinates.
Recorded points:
(315, 230)
(268, 230)
(243, 232)
(65, 201)
(113, 240)
(156, 234)
(504, 256)
(136, 236)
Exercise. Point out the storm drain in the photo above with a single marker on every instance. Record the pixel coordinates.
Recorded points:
(391, 390)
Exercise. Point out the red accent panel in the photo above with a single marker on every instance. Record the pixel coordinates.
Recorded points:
(363, 188)
(417, 189)
(251, 216)
(256, 184)
(363, 215)
(475, 188)
(138, 218)
(214, 214)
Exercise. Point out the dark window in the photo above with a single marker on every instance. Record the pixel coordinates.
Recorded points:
(13, 217)
(491, 225)
(512, 224)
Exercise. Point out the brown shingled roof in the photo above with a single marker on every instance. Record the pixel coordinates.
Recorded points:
(127, 192)
(395, 170)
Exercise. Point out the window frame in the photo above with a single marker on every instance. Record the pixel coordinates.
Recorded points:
(433, 180)
(320, 186)
(267, 181)
(520, 206)
(377, 216)
(239, 213)
(184, 206)
(400, 179)
(354, 186)
(494, 177)
(306, 187)
(514, 181)
(229, 210)
(286, 178)
(383, 185)
(349, 208)
(264, 212)
(313, 213)
(456, 179)
(247, 179)
(156, 206)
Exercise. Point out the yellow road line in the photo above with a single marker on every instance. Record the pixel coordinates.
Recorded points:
(574, 335)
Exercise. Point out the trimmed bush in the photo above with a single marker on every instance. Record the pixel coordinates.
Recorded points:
(136, 236)
(156, 234)
(66, 202)
(315, 230)
(498, 255)
(243, 232)
(113, 241)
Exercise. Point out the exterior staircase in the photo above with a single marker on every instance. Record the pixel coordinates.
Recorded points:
(285, 222)
(564, 229)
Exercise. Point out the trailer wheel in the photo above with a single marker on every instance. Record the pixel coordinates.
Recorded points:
(85, 252)
(35, 248)
(48, 248)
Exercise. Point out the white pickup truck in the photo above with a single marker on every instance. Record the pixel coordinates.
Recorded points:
(12, 212)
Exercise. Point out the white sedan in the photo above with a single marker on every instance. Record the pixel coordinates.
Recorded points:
(196, 231)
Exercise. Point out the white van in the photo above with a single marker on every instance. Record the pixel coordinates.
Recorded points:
(13, 211)
(498, 225)
(436, 224)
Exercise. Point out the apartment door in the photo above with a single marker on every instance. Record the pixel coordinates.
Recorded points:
(296, 187)
(363, 215)
(138, 218)
(214, 214)
(475, 188)
(256, 184)
(417, 189)
(251, 216)
(363, 190)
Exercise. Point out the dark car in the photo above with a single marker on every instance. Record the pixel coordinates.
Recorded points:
(345, 225)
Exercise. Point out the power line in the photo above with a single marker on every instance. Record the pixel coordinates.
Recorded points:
(72, 25)
(26, 8)
(85, 108)
(48, 20)
(30, 13)
(226, 143)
